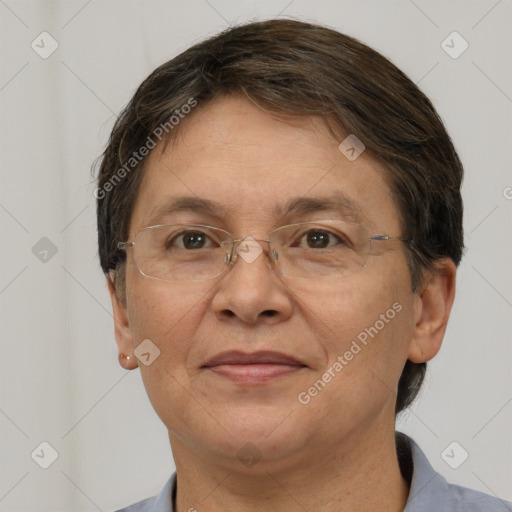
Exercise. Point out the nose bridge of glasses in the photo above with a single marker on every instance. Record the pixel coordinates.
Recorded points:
(249, 249)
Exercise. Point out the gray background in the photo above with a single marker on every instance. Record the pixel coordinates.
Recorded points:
(59, 376)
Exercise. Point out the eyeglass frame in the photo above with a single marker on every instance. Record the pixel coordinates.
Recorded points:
(232, 255)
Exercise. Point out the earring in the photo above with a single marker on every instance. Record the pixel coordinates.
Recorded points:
(122, 356)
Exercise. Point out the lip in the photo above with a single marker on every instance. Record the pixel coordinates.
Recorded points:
(237, 357)
(253, 368)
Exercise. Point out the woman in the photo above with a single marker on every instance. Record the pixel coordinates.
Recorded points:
(280, 222)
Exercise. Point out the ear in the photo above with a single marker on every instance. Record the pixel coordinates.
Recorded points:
(124, 337)
(432, 310)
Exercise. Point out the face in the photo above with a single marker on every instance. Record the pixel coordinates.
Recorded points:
(351, 336)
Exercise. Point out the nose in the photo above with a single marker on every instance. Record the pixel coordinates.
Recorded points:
(252, 290)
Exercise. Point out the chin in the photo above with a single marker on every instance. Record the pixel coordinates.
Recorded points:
(248, 435)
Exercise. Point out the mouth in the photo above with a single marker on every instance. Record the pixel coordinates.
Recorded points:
(255, 368)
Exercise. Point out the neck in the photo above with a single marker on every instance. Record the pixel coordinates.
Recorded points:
(358, 473)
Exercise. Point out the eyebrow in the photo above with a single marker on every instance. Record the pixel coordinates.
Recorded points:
(337, 202)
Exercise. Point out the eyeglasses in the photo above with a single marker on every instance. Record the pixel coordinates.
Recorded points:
(326, 249)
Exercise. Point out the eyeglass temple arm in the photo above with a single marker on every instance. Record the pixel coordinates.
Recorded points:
(388, 238)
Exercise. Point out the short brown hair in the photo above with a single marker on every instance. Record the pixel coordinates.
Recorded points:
(290, 68)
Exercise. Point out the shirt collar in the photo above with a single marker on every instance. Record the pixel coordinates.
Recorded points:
(164, 501)
(428, 490)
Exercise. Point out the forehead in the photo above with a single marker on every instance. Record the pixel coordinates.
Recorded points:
(232, 163)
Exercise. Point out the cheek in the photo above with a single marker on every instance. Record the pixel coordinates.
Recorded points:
(365, 350)
(342, 310)
(167, 315)
(363, 323)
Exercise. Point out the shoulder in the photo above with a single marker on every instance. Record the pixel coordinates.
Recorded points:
(430, 491)
(146, 505)
(163, 502)
(475, 501)
(456, 498)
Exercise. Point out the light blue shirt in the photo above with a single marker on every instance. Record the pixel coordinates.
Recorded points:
(429, 492)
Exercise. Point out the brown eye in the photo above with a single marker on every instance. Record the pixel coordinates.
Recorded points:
(189, 240)
(320, 239)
